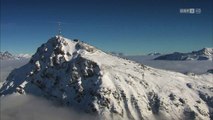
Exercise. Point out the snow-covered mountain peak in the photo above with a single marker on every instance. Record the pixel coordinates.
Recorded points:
(206, 51)
(6, 55)
(81, 76)
(58, 50)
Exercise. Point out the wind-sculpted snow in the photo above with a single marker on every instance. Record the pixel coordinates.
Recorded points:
(81, 77)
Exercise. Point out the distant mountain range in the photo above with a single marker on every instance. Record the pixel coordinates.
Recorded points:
(8, 56)
(203, 54)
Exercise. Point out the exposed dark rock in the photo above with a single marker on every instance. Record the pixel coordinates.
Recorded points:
(182, 100)
(154, 102)
(172, 96)
(189, 85)
(189, 114)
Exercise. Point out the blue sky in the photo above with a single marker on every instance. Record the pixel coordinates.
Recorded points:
(133, 27)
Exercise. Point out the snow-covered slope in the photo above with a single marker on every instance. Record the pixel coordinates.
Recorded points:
(78, 75)
(203, 54)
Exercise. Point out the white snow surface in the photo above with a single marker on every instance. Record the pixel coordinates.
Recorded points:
(78, 75)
